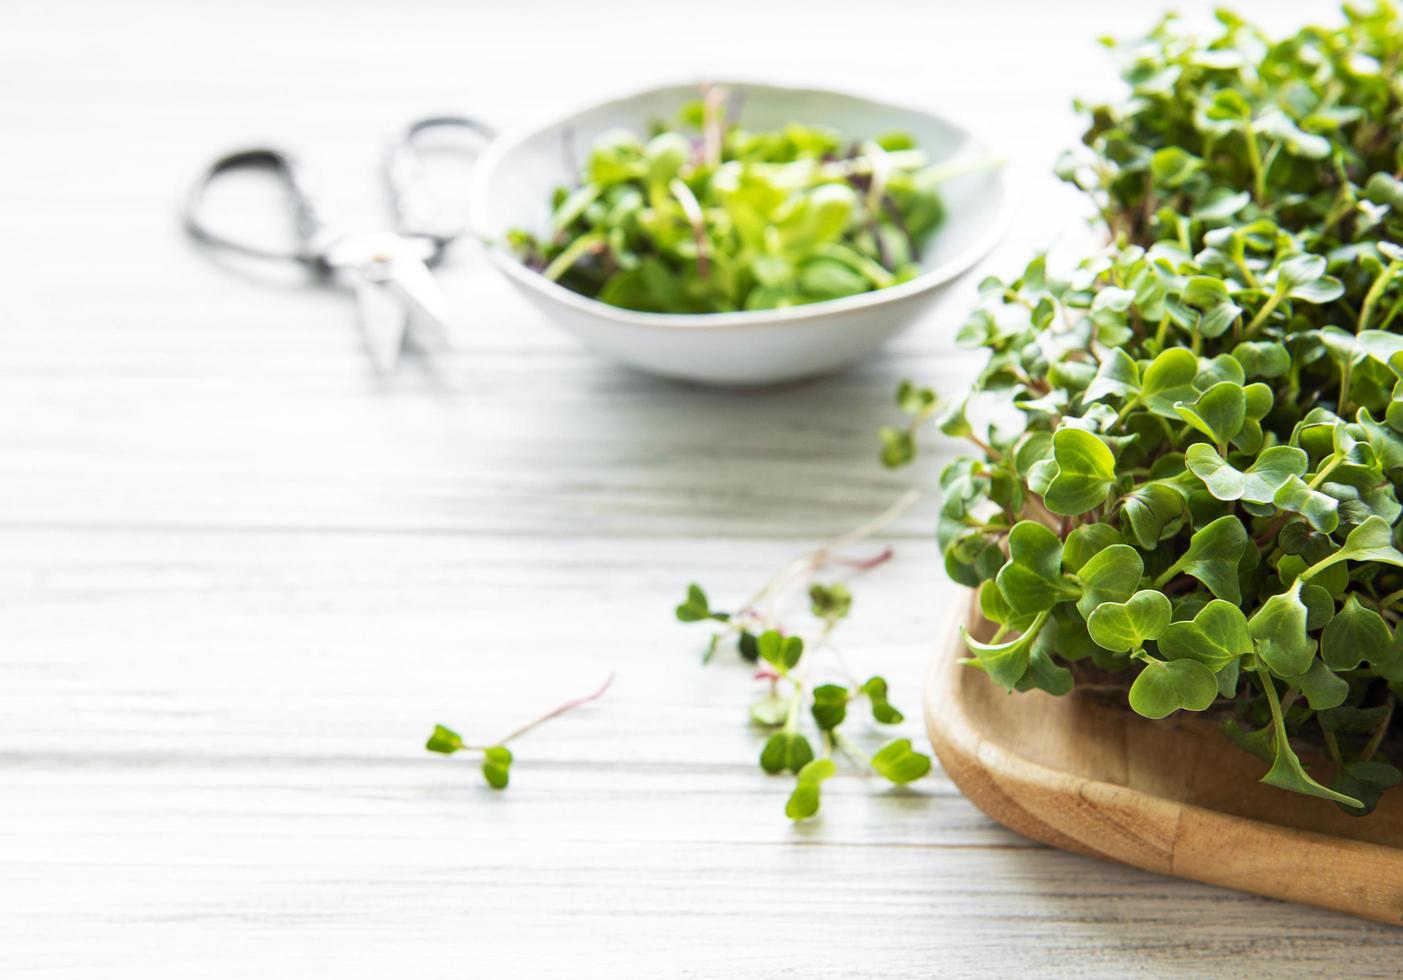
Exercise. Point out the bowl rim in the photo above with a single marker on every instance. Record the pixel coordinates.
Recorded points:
(488, 164)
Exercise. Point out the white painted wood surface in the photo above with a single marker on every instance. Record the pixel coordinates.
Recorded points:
(240, 578)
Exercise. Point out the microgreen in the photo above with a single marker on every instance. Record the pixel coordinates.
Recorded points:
(901, 764)
(495, 757)
(1163, 687)
(1124, 627)
(705, 216)
(803, 801)
(1081, 473)
(1216, 636)
(1202, 503)
(807, 720)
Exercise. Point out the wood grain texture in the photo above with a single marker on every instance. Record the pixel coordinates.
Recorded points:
(1172, 796)
(240, 577)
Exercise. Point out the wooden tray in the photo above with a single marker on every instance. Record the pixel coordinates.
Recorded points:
(1173, 797)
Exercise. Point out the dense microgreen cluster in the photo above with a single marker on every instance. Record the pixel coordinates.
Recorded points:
(496, 758)
(794, 709)
(704, 216)
(1190, 445)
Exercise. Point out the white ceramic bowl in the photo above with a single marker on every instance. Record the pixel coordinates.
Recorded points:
(516, 174)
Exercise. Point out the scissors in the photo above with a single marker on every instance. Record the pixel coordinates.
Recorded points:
(396, 295)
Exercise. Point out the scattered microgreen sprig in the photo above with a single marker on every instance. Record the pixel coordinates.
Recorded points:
(496, 758)
(1202, 496)
(705, 216)
(794, 707)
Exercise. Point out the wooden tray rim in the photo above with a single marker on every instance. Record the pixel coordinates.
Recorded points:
(1193, 842)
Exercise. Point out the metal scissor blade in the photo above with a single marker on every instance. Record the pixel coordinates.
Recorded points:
(414, 282)
(384, 318)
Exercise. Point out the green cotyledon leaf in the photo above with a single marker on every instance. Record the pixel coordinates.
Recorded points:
(1270, 471)
(1287, 773)
(444, 740)
(830, 602)
(1366, 782)
(1223, 480)
(1162, 688)
(1260, 741)
(780, 651)
(830, 706)
(883, 711)
(1258, 484)
(1086, 472)
(785, 750)
(1275, 125)
(1216, 370)
(1065, 635)
(1213, 555)
(496, 766)
(1173, 166)
(1218, 413)
(1320, 510)
(1211, 296)
(1390, 665)
(996, 609)
(1215, 637)
(1005, 662)
(1220, 204)
(1354, 635)
(769, 711)
(1150, 508)
(1279, 631)
(1303, 277)
(1031, 581)
(1286, 770)
(1370, 541)
(1262, 358)
(899, 763)
(695, 607)
(1320, 606)
(1044, 673)
(1383, 346)
(1322, 687)
(1117, 375)
(1111, 575)
(898, 446)
(804, 800)
(1169, 379)
(1125, 626)
(1085, 542)
(1386, 443)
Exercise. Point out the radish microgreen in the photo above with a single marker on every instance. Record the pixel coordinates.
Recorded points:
(1203, 496)
(808, 721)
(705, 216)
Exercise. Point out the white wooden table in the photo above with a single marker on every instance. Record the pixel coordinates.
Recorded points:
(240, 578)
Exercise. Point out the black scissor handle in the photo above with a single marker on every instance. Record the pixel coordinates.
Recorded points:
(302, 208)
(417, 211)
